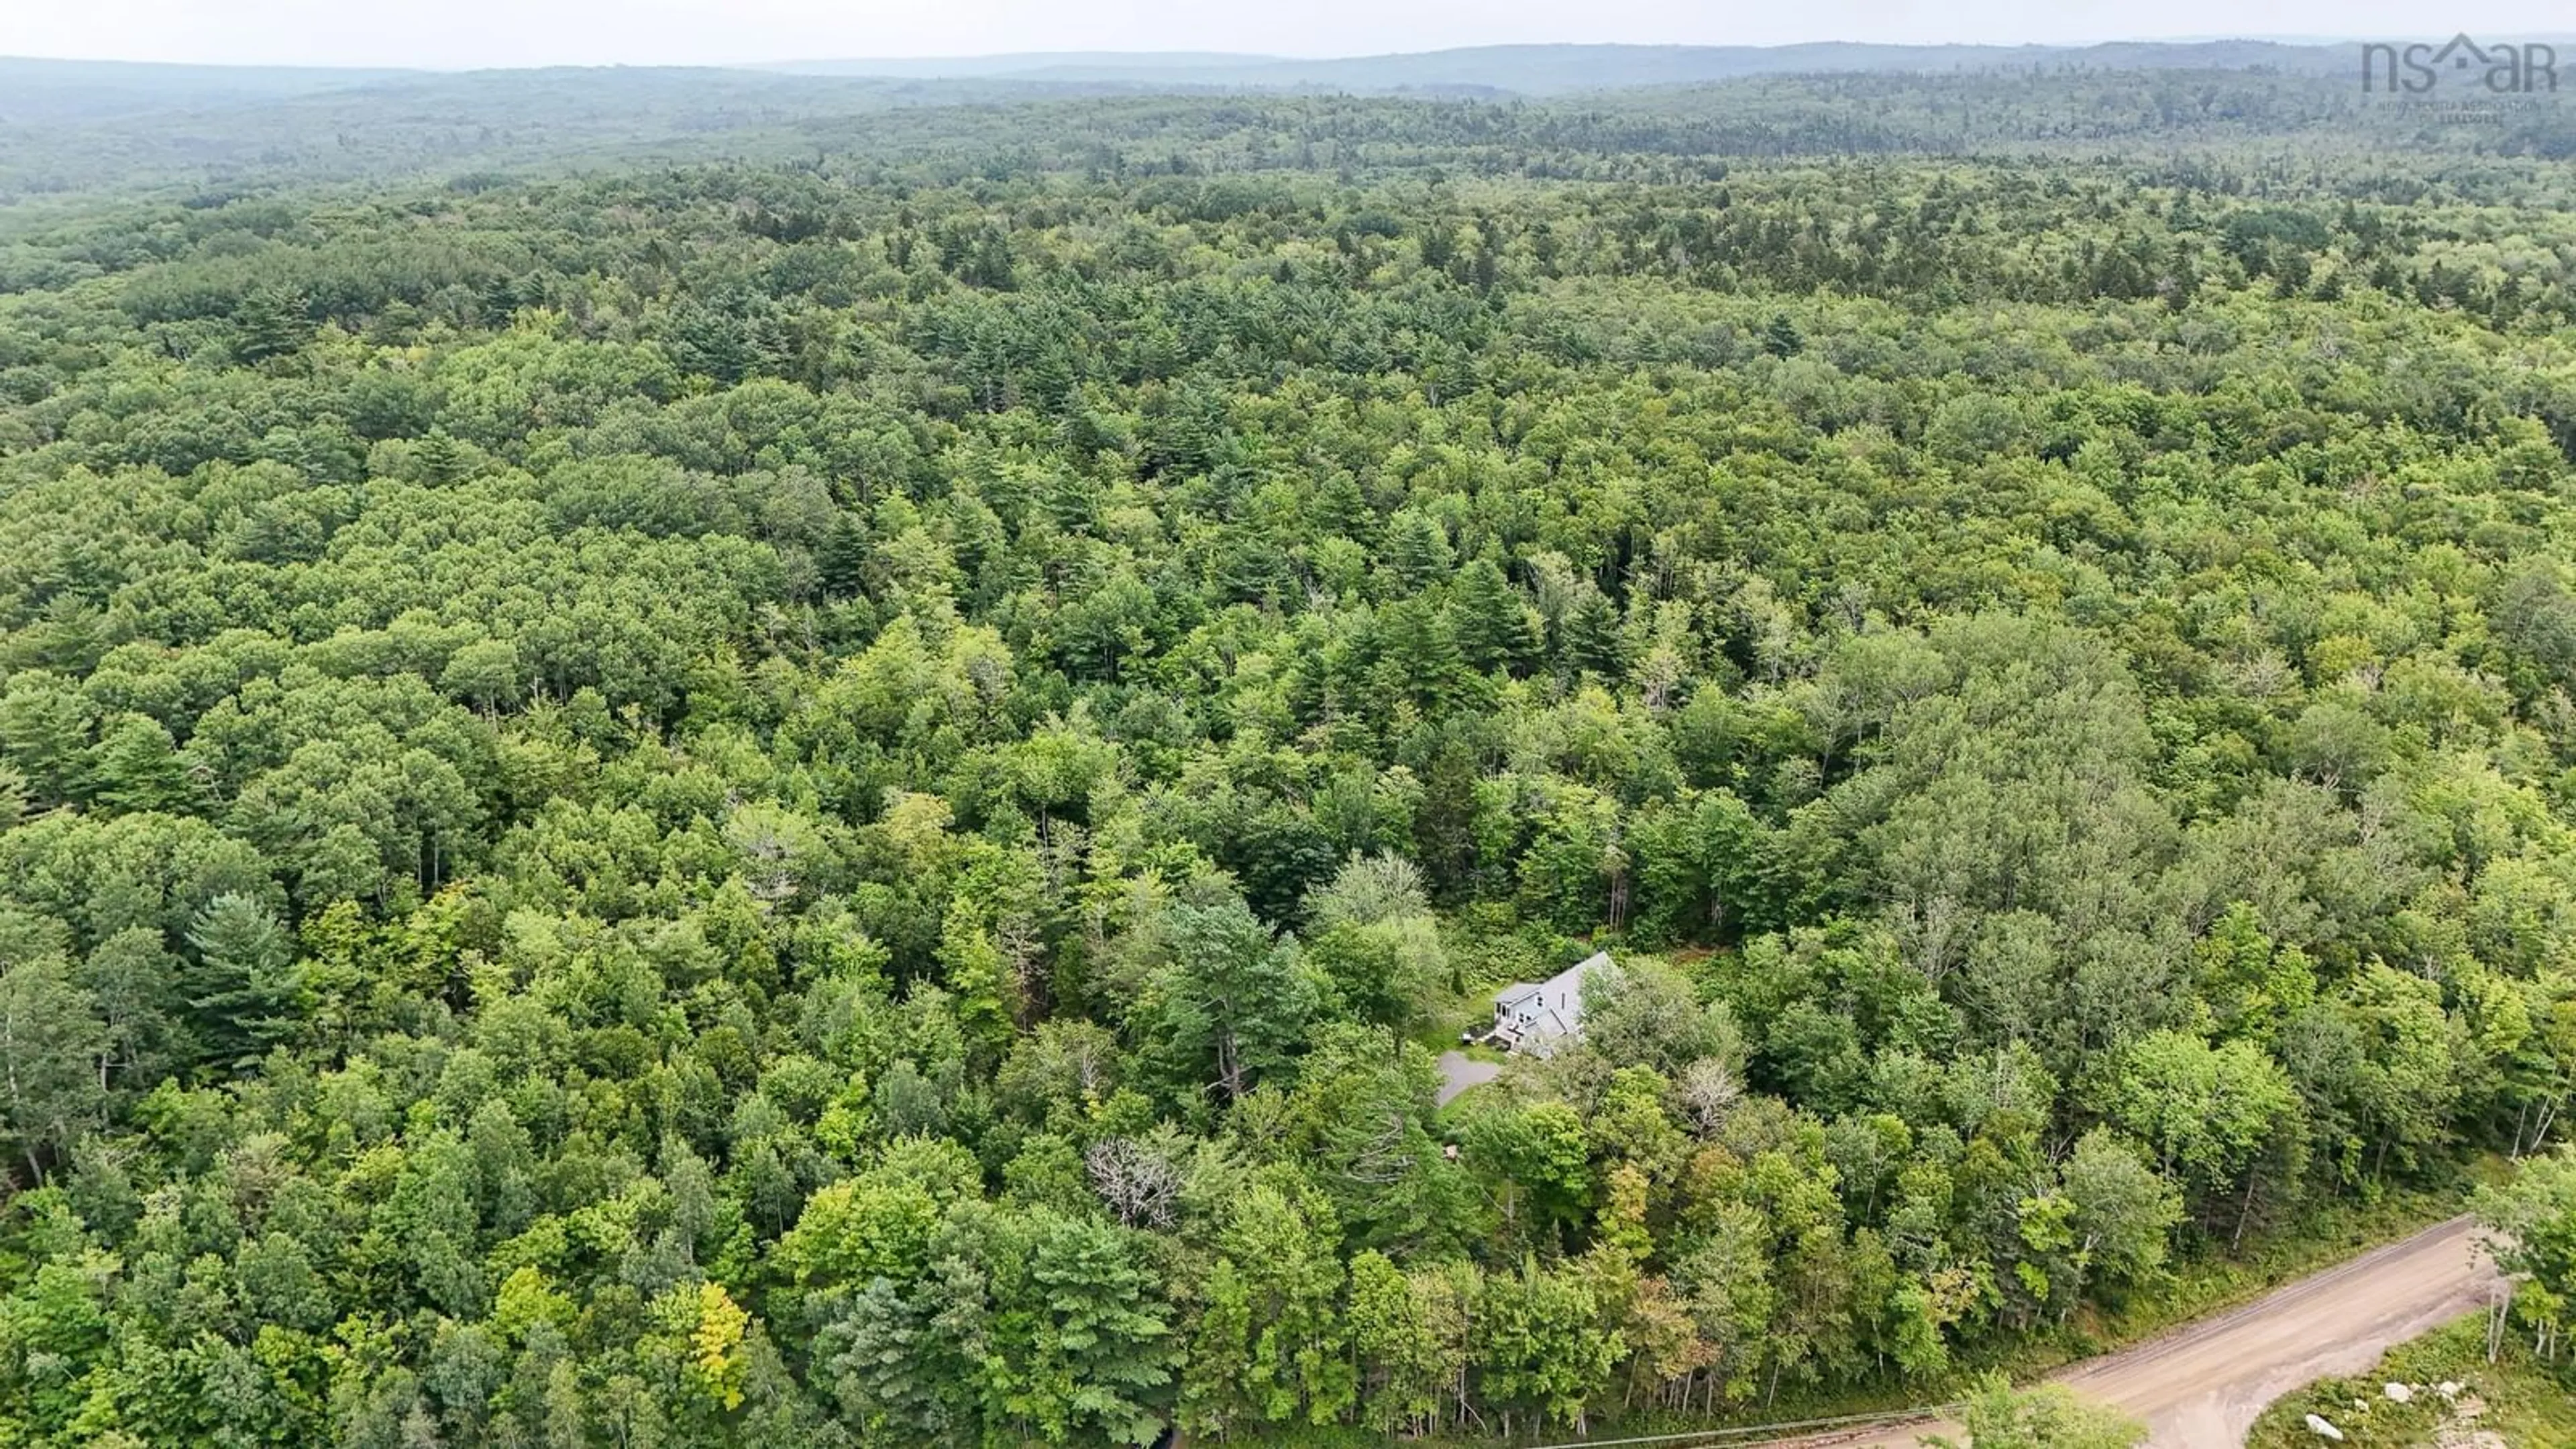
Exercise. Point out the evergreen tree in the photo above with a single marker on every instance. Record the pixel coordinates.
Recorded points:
(1232, 1006)
(1416, 548)
(442, 459)
(1340, 509)
(843, 559)
(1591, 639)
(1422, 658)
(270, 322)
(1097, 1343)
(243, 987)
(138, 767)
(44, 731)
(1490, 621)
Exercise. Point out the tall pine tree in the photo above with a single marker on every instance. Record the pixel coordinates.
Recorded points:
(243, 989)
(1491, 624)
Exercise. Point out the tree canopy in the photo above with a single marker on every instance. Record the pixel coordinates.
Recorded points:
(840, 797)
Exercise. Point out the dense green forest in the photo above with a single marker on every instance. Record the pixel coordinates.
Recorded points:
(842, 799)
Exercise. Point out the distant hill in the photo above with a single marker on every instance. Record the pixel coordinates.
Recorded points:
(70, 127)
(47, 93)
(44, 92)
(444, 123)
(1160, 64)
(1557, 69)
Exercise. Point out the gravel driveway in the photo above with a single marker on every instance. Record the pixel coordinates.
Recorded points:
(1459, 1071)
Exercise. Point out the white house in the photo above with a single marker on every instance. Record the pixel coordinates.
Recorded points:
(1533, 1016)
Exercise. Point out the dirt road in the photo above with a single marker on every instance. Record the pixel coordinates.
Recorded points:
(2202, 1385)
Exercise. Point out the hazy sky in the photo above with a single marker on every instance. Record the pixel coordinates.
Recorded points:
(539, 32)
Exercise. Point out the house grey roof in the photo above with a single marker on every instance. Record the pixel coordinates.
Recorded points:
(1540, 1012)
(1565, 985)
